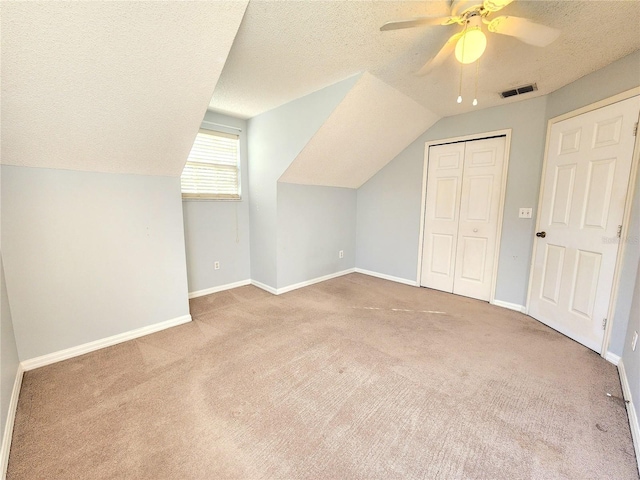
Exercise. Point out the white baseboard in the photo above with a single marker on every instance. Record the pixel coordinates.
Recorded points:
(510, 306)
(220, 288)
(631, 411)
(295, 286)
(102, 343)
(384, 276)
(280, 291)
(612, 358)
(264, 287)
(11, 416)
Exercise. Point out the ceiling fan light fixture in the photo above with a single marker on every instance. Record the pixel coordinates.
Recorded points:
(471, 44)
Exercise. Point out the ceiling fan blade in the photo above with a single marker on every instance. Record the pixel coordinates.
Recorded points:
(524, 30)
(417, 22)
(495, 5)
(441, 56)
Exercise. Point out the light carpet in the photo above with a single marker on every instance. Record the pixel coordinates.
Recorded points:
(352, 378)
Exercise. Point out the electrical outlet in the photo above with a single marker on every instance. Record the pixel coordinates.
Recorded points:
(525, 213)
(341, 254)
(634, 341)
(216, 265)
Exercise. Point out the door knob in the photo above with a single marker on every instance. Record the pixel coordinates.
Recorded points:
(541, 234)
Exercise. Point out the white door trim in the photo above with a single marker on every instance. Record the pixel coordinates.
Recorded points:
(627, 208)
(505, 168)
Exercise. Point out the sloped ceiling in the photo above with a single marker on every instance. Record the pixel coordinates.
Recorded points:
(285, 50)
(110, 86)
(372, 124)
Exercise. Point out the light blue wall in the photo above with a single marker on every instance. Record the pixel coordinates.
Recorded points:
(630, 259)
(8, 352)
(90, 255)
(275, 138)
(631, 359)
(217, 230)
(618, 77)
(389, 204)
(388, 216)
(314, 224)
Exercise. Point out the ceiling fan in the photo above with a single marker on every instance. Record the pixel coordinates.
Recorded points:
(470, 43)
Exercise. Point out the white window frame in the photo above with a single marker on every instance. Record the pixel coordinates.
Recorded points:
(212, 165)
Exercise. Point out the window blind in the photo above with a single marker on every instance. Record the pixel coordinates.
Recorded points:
(212, 169)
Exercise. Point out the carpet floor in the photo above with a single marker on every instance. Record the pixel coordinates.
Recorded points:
(352, 378)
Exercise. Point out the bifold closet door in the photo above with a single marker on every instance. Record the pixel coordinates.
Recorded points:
(478, 218)
(464, 182)
(442, 210)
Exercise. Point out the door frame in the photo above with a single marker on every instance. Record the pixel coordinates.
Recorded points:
(604, 349)
(503, 190)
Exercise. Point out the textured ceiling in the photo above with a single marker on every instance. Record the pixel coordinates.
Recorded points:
(110, 86)
(372, 124)
(285, 50)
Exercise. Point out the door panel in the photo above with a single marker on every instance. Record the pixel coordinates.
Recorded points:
(585, 281)
(607, 132)
(447, 192)
(479, 213)
(441, 213)
(552, 273)
(562, 194)
(441, 254)
(479, 198)
(582, 204)
(599, 185)
(474, 253)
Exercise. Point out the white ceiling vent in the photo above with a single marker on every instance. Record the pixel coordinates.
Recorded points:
(519, 91)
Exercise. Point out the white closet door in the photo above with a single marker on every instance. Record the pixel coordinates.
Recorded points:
(478, 220)
(442, 209)
(584, 189)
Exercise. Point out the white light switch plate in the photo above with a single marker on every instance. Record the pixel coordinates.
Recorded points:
(525, 213)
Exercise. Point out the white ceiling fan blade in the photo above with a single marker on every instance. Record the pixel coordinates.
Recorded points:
(495, 5)
(441, 56)
(524, 30)
(417, 22)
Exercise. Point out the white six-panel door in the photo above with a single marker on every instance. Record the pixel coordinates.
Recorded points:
(464, 183)
(582, 206)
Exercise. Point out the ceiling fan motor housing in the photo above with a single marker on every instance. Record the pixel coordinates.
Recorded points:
(460, 7)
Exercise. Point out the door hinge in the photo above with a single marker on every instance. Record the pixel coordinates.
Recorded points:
(635, 130)
(604, 323)
(619, 231)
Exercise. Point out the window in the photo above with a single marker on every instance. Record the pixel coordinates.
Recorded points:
(212, 170)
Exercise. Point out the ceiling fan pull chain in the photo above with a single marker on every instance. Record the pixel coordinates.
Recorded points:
(475, 96)
(461, 64)
(460, 86)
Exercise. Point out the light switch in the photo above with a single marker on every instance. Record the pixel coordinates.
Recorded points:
(525, 213)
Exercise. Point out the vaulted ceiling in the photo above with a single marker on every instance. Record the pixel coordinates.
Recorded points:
(285, 50)
(369, 127)
(123, 86)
